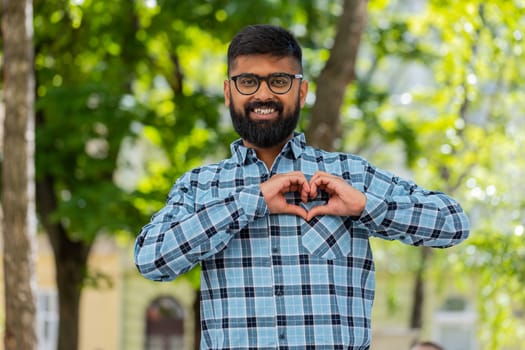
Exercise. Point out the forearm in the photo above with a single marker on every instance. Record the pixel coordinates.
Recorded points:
(176, 240)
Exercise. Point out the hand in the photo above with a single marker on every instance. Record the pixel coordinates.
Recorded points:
(344, 199)
(277, 186)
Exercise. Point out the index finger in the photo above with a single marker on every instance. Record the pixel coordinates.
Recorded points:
(297, 182)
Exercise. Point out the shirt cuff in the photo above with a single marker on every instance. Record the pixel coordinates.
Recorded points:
(374, 212)
(252, 202)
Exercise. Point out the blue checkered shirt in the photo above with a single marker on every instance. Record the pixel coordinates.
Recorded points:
(273, 281)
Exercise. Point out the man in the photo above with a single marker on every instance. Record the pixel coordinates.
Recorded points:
(426, 345)
(281, 229)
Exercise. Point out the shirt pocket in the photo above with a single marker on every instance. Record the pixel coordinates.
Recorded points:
(327, 237)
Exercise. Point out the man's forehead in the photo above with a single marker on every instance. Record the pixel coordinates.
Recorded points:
(264, 62)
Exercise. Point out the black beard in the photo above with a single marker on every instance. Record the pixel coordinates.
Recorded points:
(265, 133)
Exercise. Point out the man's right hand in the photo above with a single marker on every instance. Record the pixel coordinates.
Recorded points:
(277, 186)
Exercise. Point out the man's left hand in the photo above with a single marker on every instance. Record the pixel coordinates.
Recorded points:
(344, 199)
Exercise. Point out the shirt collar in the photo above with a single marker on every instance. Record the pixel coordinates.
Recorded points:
(241, 154)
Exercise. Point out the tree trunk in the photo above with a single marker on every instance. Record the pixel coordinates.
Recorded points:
(71, 271)
(197, 317)
(325, 124)
(70, 263)
(418, 299)
(324, 129)
(19, 222)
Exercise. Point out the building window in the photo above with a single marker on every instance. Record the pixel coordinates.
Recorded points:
(47, 319)
(164, 325)
(455, 325)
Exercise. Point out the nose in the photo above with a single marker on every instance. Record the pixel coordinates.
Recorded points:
(264, 90)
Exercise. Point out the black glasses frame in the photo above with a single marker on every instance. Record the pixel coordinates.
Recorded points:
(267, 78)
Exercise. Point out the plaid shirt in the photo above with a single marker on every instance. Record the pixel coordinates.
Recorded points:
(276, 281)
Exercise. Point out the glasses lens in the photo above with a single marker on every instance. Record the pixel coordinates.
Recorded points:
(279, 83)
(247, 83)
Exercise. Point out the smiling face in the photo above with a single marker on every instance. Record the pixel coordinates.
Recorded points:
(265, 119)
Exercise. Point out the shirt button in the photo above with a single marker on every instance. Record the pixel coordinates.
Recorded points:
(275, 250)
(282, 336)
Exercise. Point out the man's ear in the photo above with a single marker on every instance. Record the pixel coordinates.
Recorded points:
(303, 92)
(227, 93)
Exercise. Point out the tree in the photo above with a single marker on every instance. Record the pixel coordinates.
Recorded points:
(19, 224)
(81, 80)
(110, 73)
(459, 132)
(324, 130)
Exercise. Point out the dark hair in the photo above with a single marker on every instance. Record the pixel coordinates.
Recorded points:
(428, 343)
(264, 39)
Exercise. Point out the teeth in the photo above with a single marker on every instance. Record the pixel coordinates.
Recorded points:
(263, 110)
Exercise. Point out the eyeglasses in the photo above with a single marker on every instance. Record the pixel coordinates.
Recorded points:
(279, 83)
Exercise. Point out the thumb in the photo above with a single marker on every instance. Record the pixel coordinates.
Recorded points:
(296, 210)
(318, 210)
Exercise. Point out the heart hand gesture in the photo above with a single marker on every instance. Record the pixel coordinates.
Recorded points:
(344, 199)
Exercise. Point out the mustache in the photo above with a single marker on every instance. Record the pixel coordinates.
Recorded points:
(264, 104)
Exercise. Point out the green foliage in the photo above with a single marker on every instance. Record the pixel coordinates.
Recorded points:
(131, 93)
(83, 60)
(461, 130)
